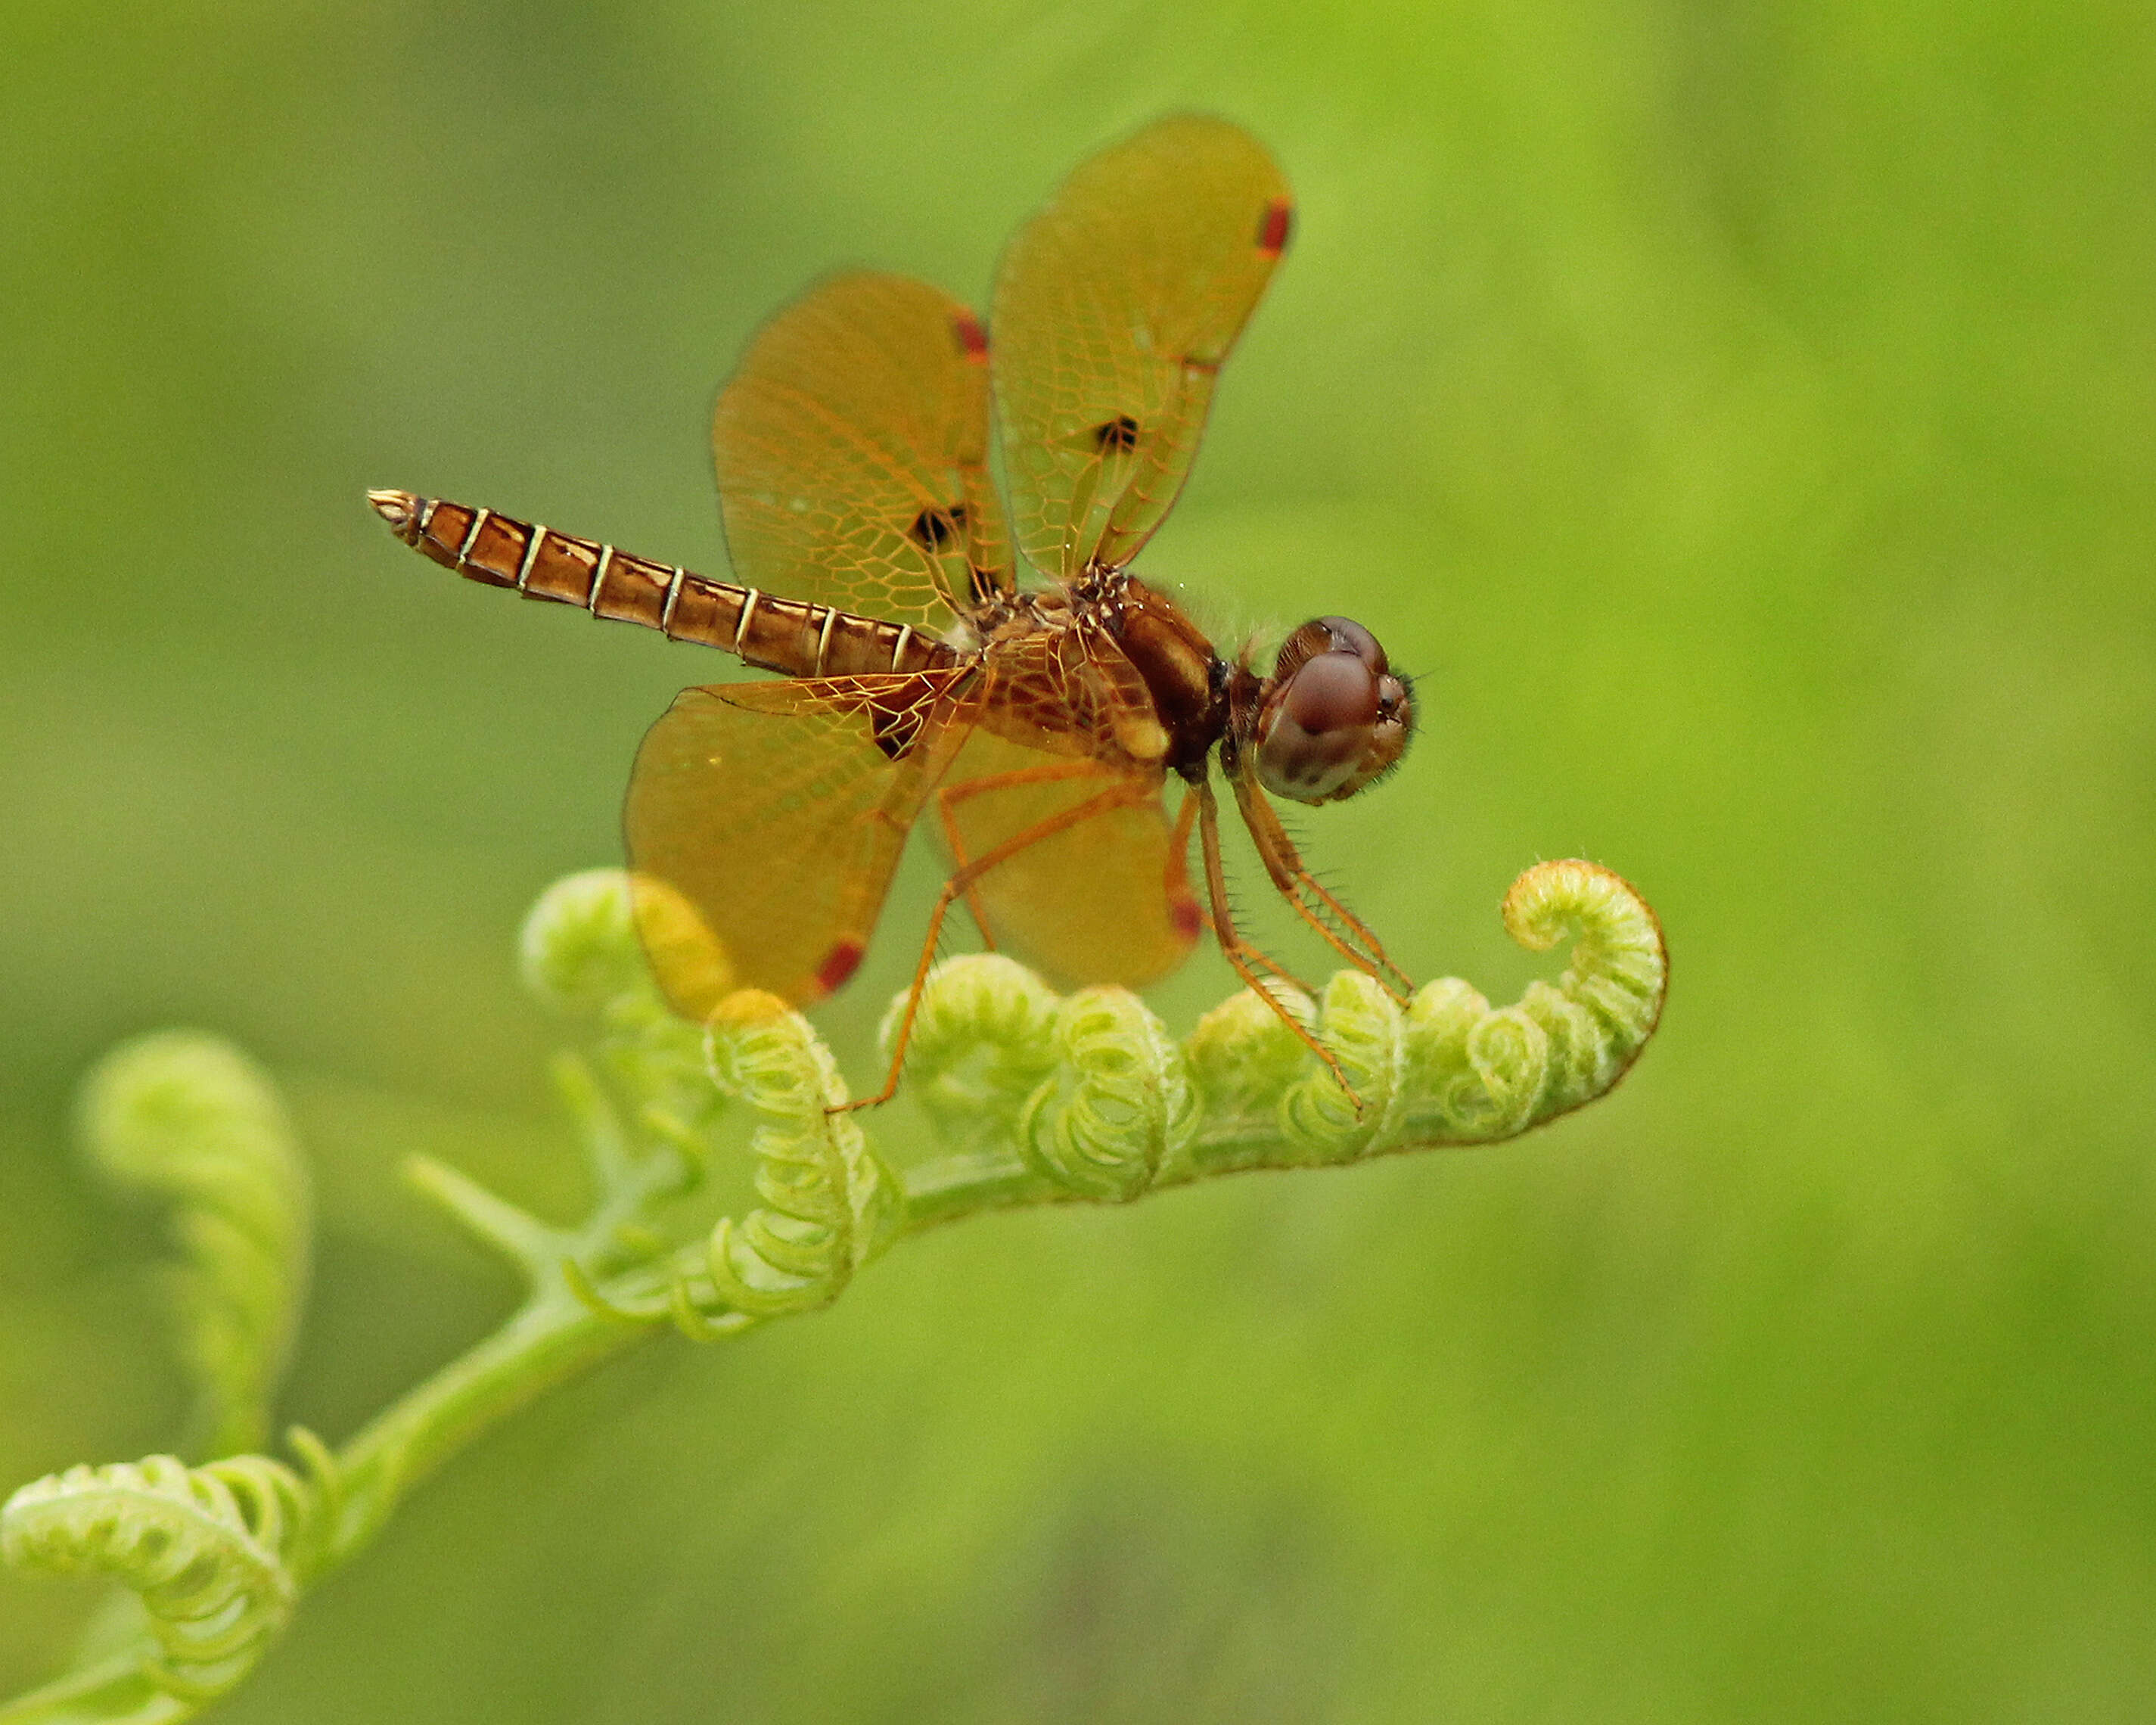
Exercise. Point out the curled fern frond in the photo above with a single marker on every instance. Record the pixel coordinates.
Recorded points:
(1117, 1107)
(1489, 1073)
(580, 953)
(1242, 1056)
(577, 948)
(189, 1119)
(1452, 1068)
(1359, 1022)
(827, 1200)
(215, 1554)
(1054, 1101)
(984, 1040)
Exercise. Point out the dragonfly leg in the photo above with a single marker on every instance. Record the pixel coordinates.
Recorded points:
(1358, 945)
(1238, 952)
(1273, 967)
(1176, 881)
(1122, 795)
(949, 797)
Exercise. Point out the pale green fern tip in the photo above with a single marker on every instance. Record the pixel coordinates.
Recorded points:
(212, 1551)
(187, 1119)
(578, 946)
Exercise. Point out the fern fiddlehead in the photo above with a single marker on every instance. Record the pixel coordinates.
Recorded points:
(1042, 1099)
(828, 1199)
(1449, 1069)
(215, 1554)
(189, 1119)
(1117, 1107)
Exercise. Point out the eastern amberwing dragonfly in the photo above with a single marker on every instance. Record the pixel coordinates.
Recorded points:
(1040, 706)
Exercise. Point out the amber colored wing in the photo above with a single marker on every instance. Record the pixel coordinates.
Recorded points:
(1108, 901)
(852, 454)
(764, 820)
(1114, 307)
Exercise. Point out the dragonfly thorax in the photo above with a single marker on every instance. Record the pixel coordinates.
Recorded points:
(1187, 679)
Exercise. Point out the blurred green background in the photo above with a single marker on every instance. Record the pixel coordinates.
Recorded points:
(1741, 416)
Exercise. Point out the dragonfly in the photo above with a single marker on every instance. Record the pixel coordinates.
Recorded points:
(988, 663)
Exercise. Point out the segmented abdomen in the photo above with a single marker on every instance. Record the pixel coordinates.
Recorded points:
(787, 635)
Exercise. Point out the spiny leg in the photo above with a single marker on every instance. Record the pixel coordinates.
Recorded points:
(1273, 967)
(1179, 882)
(1238, 952)
(1175, 881)
(1285, 865)
(1401, 985)
(1360, 947)
(1119, 796)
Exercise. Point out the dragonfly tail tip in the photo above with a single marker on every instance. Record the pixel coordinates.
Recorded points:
(398, 508)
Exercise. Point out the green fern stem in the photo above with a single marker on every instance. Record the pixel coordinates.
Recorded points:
(550, 1340)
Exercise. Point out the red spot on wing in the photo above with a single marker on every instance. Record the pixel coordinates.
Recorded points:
(841, 962)
(1273, 226)
(1185, 917)
(972, 339)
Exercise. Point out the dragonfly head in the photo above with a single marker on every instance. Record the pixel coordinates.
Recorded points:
(1332, 717)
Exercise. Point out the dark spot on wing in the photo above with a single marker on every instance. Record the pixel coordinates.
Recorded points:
(936, 529)
(895, 733)
(895, 719)
(1118, 437)
(1273, 226)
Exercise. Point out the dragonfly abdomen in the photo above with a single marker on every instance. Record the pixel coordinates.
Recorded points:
(787, 635)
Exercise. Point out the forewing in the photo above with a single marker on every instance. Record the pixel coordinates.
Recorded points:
(1114, 307)
(764, 820)
(1107, 900)
(852, 454)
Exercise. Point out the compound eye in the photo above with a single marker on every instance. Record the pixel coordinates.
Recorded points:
(1329, 634)
(1318, 726)
(1334, 717)
(1334, 692)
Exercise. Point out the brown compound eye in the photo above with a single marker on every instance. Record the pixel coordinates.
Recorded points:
(1334, 717)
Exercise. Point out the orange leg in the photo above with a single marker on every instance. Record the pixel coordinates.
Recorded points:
(1359, 946)
(948, 797)
(1245, 957)
(1179, 882)
(1122, 795)
(1176, 882)
(1272, 967)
